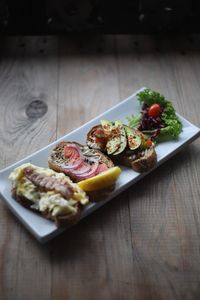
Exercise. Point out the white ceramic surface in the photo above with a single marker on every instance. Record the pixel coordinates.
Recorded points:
(44, 229)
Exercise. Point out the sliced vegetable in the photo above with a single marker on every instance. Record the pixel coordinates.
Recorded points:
(113, 136)
(134, 140)
(101, 168)
(123, 139)
(71, 152)
(90, 173)
(107, 127)
(113, 144)
(73, 164)
(83, 168)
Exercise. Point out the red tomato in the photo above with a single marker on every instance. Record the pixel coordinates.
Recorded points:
(154, 110)
(148, 143)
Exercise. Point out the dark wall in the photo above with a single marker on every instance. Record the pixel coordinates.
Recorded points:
(105, 16)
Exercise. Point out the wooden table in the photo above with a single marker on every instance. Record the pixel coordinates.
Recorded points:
(145, 243)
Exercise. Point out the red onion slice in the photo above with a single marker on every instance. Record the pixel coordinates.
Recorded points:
(82, 169)
(73, 165)
(71, 152)
(77, 148)
(101, 168)
(90, 173)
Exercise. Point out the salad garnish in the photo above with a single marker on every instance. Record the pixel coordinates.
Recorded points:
(158, 117)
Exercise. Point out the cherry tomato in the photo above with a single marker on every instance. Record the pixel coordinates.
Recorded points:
(148, 143)
(154, 110)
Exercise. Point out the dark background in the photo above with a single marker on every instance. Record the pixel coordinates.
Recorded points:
(96, 16)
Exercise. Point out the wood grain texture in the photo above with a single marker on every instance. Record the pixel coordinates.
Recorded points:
(88, 85)
(145, 243)
(26, 75)
(164, 207)
(88, 80)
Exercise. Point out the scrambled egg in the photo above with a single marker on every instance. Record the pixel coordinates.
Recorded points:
(51, 201)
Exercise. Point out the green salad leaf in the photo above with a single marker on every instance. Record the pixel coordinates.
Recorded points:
(150, 97)
(134, 121)
(172, 125)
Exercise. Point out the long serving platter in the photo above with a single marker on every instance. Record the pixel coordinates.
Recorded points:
(44, 229)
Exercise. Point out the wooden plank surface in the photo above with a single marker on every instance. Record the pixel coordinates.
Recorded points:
(144, 244)
(27, 75)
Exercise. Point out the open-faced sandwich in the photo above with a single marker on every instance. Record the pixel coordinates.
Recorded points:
(123, 144)
(52, 194)
(93, 170)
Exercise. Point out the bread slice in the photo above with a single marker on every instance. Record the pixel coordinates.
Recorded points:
(140, 160)
(100, 195)
(60, 220)
(141, 164)
(49, 193)
(57, 161)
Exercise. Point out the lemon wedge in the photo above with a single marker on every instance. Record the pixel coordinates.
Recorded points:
(100, 181)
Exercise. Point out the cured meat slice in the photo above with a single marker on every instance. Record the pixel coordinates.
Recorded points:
(48, 183)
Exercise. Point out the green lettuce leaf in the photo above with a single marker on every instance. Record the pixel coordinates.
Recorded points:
(173, 125)
(150, 97)
(134, 121)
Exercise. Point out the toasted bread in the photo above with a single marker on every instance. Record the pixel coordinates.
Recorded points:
(60, 221)
(100, 195)
(142, 159)
(44, 191)
(142, 164)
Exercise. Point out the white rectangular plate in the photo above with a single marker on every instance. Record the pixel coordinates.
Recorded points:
(45, 230)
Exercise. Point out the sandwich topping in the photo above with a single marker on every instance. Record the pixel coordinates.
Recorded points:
(78, 161)
(120, 139)
(49, 191)
(47, 183)
(97, 138)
